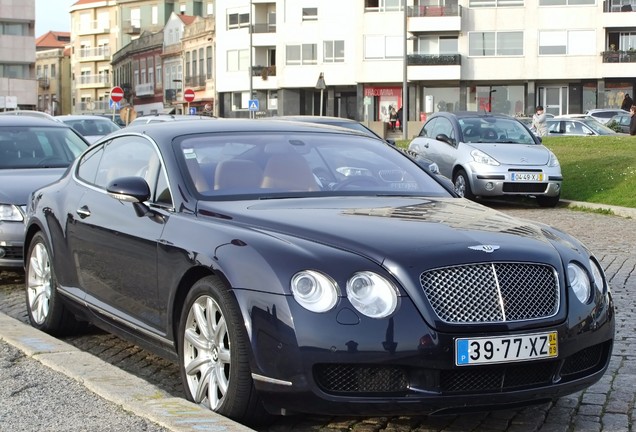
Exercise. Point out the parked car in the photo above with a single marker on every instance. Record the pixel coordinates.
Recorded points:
(290, 268)
(89, 126)
(604, 115)
(160, 118)
(573, 126)
(29, 113)
(622, 120)
(33, 152)
(486, 155)
(335, 121)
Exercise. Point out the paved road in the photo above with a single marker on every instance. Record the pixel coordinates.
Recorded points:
(606, 406)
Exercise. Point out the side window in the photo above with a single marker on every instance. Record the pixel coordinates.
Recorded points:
(444, 126)
(88, 165)
(427, 130)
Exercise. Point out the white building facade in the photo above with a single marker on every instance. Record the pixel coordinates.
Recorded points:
(499, 55)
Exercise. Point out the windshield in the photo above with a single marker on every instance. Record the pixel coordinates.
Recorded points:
(489, 129)
(598, 127)
(291, 164)
(38, 147)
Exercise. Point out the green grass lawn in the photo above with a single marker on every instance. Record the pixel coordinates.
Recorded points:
(595, 169)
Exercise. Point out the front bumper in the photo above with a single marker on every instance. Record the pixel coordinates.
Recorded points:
(342, 363)
(498, 184)
(11, 245)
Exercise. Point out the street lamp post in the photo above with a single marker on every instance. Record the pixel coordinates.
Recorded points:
(492, 90)
(251, 60)
(405, 86)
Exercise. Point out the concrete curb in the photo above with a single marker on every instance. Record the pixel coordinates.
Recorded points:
(618, 211)
(113, 384)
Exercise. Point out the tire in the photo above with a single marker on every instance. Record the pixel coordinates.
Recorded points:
(43, 302)
(548, 201)
(462, 186)
(213, 357)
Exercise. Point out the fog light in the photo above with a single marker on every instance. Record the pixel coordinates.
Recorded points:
(490, 186)
(2, 253)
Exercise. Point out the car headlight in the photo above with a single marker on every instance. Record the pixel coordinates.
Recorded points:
(553, 161)
(579, 281)
(9, 212)
(314, 291)
(371, 294)
(597, 274)
(482, 158)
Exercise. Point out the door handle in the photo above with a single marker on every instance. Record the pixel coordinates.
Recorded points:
(83, 212)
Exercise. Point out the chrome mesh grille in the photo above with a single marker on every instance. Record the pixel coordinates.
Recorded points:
(493, 292)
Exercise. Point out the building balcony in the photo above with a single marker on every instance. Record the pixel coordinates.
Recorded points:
(619, 56)
(145, 90)
(132, 27)
(90, 107)
(263, 28)
(195, 81)
(44, 83)
(94, 54)
(435, 18)
(92, 81)
(611, 6)
(264, 71)
(434, 67)
(92, 27)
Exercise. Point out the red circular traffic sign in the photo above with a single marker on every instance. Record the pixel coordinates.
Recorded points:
(188, 95)
(116, 94)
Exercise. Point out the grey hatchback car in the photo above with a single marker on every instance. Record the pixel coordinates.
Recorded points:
(487, 155)
(33, 153)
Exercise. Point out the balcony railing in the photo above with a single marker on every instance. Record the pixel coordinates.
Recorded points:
(434, 59)
(97, 26)
(619, 56)
(96, 106)
(145, 89)
(102, 51)
(449, 9)
(195, 81)
(263, 28)
(264, 71)
(132, 27)
(43, 83)
(94, 79)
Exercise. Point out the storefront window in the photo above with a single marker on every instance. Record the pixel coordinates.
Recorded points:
(500, 99)
(589, 96)
(441, 99)
(615, 93)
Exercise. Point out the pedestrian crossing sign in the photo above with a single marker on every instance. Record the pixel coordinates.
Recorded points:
(253, 105)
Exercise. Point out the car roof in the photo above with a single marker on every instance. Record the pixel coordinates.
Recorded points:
(171, 129)
(595, 110)
(28, 113)
(27, 121)
(470, 114)
(316, 119)
(81, 117)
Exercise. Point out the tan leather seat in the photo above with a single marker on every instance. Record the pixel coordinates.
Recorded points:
(289, 172)
(237, 174)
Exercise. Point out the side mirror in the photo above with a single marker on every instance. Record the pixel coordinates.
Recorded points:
(391, 141)
(129, 189)
(444, 138)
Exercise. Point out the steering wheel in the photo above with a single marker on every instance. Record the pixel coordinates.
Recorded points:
(357, 180)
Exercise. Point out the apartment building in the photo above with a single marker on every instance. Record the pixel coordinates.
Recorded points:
(499, 55)
(99, 28)
(198, 58)
(53, 72)
(18, 86)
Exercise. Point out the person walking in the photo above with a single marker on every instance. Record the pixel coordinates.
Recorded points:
(539, 123)
(399, 117)
(632, 120)
(392, 117)
(627, 102)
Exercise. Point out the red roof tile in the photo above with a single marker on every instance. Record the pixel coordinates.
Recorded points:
(52, 40)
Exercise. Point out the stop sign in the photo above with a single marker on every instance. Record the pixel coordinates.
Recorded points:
(188, 95)
(116, 94)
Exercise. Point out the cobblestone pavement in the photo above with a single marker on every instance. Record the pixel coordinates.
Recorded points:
(606, 406)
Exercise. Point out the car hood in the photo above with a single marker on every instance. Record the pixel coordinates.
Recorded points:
(398, 230)
(515, 154)
(17, 184)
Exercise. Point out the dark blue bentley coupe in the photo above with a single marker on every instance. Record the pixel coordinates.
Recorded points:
(297, 268)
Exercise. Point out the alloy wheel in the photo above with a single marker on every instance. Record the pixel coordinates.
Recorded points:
(39, 283)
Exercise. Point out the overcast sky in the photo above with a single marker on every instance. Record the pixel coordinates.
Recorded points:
(52, 15)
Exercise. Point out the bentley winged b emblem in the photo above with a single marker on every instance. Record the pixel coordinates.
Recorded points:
(484, 248)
